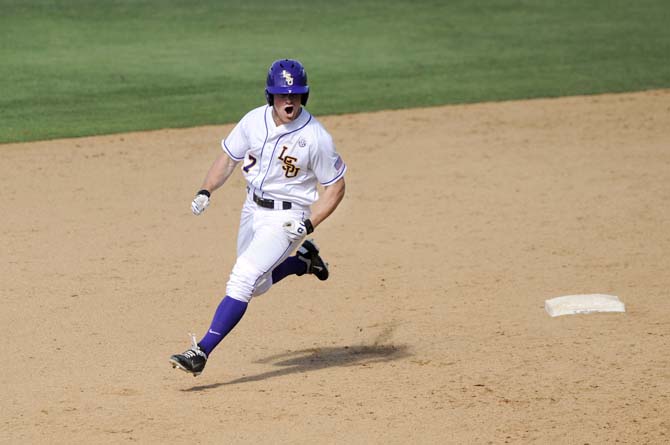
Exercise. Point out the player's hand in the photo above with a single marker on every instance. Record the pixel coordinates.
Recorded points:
(200, 202)
(295, 229)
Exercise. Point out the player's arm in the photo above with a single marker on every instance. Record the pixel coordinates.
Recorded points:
(219, 172)
(217, 175)
(328, 201)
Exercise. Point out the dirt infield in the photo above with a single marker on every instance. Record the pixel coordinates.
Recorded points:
(459, 222)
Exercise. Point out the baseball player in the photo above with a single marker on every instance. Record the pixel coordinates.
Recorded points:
(285, 152)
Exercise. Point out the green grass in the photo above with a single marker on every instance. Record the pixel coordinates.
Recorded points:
(84, 67)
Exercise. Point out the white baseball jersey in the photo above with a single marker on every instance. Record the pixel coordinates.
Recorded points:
(284, 162)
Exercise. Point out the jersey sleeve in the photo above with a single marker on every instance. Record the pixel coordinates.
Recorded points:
(237, 143)
(327, 164)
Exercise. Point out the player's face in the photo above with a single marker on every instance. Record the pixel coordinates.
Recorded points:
(286, 107)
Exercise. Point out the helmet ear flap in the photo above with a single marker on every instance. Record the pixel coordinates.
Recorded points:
(303, 98)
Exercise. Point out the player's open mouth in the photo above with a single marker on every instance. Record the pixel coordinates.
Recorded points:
(289, 110)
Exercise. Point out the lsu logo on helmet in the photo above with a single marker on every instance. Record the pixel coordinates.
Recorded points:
(287, 77)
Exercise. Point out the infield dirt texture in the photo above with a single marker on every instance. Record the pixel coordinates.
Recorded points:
(459, 222)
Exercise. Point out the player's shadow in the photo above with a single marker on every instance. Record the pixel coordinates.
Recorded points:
(313, 359)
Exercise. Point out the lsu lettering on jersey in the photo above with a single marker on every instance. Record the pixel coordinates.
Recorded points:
(284, 162)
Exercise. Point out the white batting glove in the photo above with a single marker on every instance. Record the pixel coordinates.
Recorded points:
(200, 202)
(295, 229)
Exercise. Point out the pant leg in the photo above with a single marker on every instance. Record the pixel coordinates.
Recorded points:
(267, 247)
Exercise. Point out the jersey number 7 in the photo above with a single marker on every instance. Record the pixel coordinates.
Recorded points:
(252, 162)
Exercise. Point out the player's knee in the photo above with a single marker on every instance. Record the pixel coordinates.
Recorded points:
(243, 280)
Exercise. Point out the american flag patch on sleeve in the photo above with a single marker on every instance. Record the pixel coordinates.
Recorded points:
(339, 163)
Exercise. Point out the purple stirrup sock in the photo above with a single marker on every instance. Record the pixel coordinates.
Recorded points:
(291, 266)
(229, 312)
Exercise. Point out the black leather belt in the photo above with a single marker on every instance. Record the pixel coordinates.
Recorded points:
(270, 203)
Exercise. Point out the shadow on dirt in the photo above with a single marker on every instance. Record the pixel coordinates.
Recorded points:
(313, 359)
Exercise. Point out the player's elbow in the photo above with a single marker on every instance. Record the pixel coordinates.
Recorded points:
(339, 189)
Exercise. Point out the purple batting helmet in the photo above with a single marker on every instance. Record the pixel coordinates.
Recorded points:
(286, 76)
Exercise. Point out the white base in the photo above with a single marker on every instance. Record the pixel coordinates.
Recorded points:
(583, 304)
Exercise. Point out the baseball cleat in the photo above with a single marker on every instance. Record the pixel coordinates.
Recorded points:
(192, 360)
(309, 253)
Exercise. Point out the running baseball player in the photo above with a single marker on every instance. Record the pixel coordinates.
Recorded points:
(285, 152)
